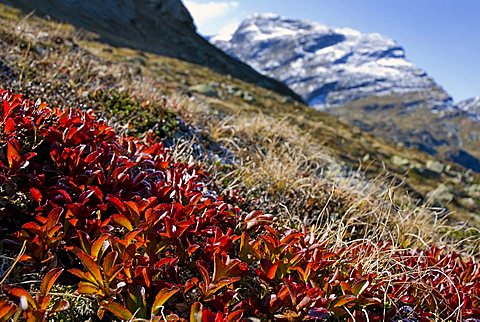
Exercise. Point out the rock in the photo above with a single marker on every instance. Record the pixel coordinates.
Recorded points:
(471, 106)
(231, 89)
(468, 203)
(465, 159)
(435, 166)
(204, 89)
(400, 161)
(473, 190)
(137, 60)
(246, 96)
(442, 195)
(287, 100)
(163, 27)
(425, 172)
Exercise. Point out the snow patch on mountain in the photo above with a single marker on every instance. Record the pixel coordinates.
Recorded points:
(471, 106)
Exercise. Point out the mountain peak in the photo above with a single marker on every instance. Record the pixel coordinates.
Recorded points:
(327, 66)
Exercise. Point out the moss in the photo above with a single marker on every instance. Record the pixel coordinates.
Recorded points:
(129, 113)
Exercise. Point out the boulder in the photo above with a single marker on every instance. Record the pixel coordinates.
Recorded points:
(205, 89)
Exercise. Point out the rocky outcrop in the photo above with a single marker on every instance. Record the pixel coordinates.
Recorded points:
(163, 27)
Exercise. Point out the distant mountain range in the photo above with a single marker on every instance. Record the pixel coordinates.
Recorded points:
(365, 79)
(163, 27)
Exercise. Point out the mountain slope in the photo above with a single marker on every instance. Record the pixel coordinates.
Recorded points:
(328, 66)
(471, 106)
(365, 79)
(163, 27)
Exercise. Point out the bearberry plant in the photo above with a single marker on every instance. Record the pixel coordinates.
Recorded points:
(149, 238)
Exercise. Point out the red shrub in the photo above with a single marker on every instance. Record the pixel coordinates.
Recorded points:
(145, 236)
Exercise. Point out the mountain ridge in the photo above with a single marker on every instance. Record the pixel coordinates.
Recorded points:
(162, 27)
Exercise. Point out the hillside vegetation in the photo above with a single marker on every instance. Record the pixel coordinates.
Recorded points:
(157, 188)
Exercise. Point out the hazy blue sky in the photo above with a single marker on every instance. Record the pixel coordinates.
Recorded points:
(440, 36)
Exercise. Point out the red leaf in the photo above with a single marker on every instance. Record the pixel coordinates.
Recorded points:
(235, 316)
(81, 274)
(119, 310)
(20, 292)
(92, 267)
(163, 297)
(97, 246)
(9, 126)
(109, 262)
(89, 289)
(122, 220)
(13, 156)
(360, 287)
(61, 305)
(36, 194)
(407, 299)
(7, 309)
(6, 109)
(342, 300)
(49, 280)
(119, 204)
(53, 217)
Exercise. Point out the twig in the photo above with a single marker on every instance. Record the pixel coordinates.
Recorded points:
(17, 259)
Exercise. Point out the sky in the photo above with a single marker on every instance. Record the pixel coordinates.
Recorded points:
(440, 36)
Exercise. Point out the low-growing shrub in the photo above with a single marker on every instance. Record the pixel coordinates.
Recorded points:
(147, 238)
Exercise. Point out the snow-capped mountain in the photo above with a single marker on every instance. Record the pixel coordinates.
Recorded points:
(471, 106)
(328, 66)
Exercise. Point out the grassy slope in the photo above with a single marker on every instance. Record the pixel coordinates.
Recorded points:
(347, 144)
(389, 116)
(292, 160)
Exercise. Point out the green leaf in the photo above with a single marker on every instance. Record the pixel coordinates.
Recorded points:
(136, 301)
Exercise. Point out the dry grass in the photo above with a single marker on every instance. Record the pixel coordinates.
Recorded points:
(282, 170)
